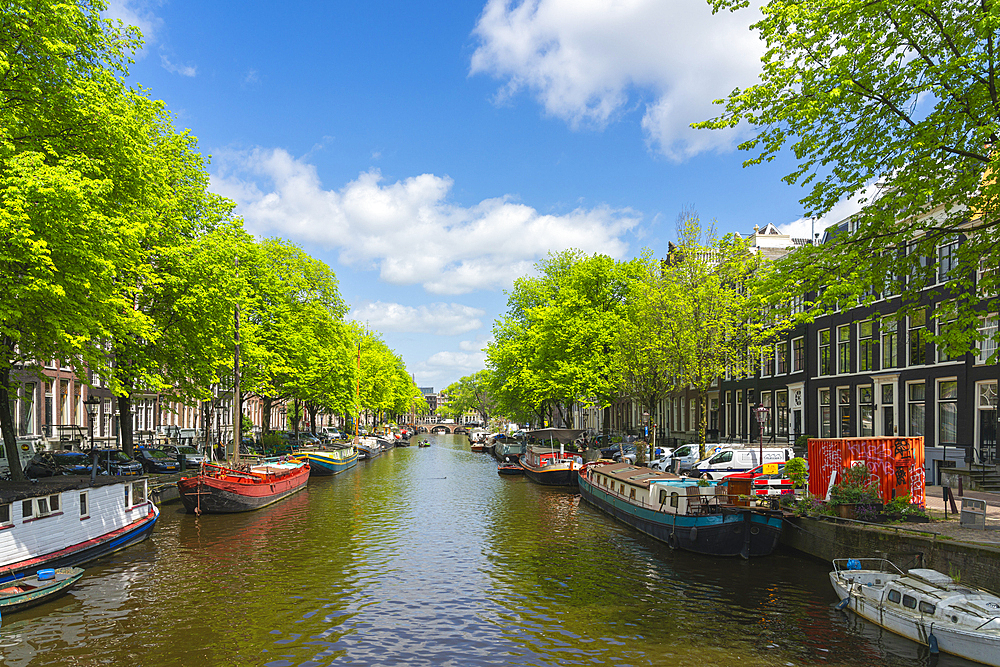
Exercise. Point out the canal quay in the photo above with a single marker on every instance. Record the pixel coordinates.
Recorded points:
(425, 556)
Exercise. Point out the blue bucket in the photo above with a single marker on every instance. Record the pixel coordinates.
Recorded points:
(46, 574)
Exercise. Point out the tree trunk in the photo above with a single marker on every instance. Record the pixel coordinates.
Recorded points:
(268, 405)
(295, 418)
(606, 424)
(313, 409)
(7, 428)
(125, 423)
(703, 422)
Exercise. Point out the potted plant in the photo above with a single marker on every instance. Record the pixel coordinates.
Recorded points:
(856, 488)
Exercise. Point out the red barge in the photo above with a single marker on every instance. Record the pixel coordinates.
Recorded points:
(220, 490)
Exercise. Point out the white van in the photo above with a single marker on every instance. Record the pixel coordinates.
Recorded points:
(728, 460)
(684, 458)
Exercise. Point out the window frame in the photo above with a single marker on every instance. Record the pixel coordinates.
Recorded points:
(843, 349)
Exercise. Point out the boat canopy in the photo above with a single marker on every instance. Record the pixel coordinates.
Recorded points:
(561, 435)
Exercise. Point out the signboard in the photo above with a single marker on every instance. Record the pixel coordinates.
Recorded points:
(771, 468)
(896, 463)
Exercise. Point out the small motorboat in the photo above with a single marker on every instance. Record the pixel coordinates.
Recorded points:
(424, 443)
(924, 605)
(510, 469)
(44, 585)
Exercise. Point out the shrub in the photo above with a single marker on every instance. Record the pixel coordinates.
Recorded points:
(797, 472)
(856, 486)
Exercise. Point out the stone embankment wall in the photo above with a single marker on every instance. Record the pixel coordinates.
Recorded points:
(974, 564)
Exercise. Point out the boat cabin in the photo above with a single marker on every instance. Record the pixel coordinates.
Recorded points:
(540, 457)
(661, 491)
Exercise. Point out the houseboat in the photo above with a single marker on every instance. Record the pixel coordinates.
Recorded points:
(221, 490)
(924, 605)
(66, 521)
(548, 462)
(329, 460)
(675, 510)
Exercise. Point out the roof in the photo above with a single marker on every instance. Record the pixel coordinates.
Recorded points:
(13, 491)
(633, 474)
(563, 435)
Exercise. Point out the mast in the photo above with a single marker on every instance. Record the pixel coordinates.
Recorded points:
(237, 397)
(357, 414)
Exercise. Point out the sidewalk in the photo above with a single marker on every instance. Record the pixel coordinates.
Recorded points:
(951, 527)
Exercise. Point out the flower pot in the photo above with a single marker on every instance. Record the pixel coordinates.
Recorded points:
(846, 511)
(914, 518)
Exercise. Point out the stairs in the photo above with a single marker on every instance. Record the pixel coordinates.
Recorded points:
(985, 477)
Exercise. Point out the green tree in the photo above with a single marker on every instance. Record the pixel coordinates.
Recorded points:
(894, 104)
(68, 170)
(472, 392)
(706, 312)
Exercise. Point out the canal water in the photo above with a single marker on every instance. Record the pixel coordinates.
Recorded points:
(425, 556)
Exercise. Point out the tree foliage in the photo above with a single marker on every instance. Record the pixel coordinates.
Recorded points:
(472, 393)
(895, 104)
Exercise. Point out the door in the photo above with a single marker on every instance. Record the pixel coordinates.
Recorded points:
(987, 404)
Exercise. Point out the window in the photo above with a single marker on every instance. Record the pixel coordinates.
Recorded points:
(988, 346)
(825, 430)
(824, 352)
(783, 357)
(767, 365)
(798, 355)
(139, 492)
(27, 509)
(866, 347)
(844, 348)
(890, 343)
(781, 405)
(947, 412)
(909, 602)
(916, 343)
(692, 415)
(915, 408)
(927, 608)
(866, 411)
(5, 517)
(722, 457)
(84, 507)
(844, 410)
(128, 495)
(894, 596)
(947, 258)
(674, 499)
(765, 399)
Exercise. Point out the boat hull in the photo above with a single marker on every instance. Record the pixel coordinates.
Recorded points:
(321, 464)
(12, 599)
(556, 475)
(228, 494)
(957, 642)
(737, 532)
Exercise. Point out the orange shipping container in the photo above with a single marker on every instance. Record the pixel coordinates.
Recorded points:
(897, 464)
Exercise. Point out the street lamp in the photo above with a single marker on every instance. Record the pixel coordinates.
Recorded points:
(762, 411)
(92, 404)
(649, 453)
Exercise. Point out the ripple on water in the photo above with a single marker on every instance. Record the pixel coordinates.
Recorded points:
(428, 557)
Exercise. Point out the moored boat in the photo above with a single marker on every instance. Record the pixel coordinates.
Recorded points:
(67, 521)
(924, 605)
(46, 584)
(510, 469)
(551, 467)
(702, 519)
(220, 490)
(329, 460)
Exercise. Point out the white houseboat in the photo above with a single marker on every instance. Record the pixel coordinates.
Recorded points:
(67, 521)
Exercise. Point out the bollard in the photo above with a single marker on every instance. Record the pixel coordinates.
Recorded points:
(960, 494)
(181, 461)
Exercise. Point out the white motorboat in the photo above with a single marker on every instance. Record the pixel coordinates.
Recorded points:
(923, 605)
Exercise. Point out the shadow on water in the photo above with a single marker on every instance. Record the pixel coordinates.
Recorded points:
(427, 556)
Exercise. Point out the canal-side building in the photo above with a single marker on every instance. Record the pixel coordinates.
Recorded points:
(859, 372)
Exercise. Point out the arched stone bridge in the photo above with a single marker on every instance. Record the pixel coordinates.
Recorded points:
(431, 427)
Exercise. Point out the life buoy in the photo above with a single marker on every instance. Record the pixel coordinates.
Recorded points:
(672, 541)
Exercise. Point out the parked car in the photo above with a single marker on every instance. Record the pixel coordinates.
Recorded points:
(662, 462)
(49, 463)
(192, 457)
(770, 484)
(117, 462)
(626, 452)
(157, 460)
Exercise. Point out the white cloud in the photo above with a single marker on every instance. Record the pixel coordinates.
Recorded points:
(443, 368)
(138, 13)
(804, 227)
(408, 229)
(444, 319)
(173, 68)
(586, 61)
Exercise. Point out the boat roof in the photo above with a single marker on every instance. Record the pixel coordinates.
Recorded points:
(635, 475)
(13, 491)
(931, 576)
(563, 435)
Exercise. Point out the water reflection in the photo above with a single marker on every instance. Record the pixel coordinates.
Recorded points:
(427, 556)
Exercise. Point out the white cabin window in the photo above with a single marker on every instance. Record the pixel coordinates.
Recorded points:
(909, 602)
(27, 509)
(84, 505)
(54, 503)
(5, 517)
(138, 492)
(894, 596)
(128, 495)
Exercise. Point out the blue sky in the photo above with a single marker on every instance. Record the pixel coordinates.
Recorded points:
(431, 152)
